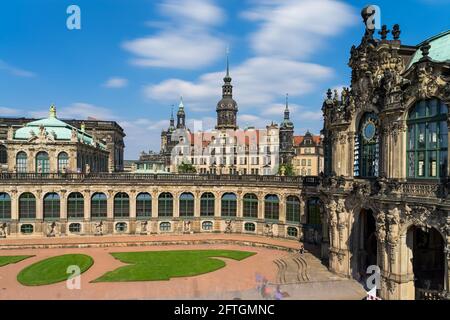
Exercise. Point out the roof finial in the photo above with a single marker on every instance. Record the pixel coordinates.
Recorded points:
(181, 106)
(287, 101)
(52, 113)
(228, 62)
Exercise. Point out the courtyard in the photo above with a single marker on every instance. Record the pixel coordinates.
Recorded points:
(228, 267)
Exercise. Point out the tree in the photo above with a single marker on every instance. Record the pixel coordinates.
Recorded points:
(286, 169)
(186, 168)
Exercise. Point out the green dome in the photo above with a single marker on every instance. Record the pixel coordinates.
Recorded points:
(439, 51)
(60, 130)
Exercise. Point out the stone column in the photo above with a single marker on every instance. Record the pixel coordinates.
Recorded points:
(176, 204)
(87, 205)
(14, 205)
(155, 196)
(39, 206)
(282, 208)
(63, 205)
(217, 204)
(239, 211)
(260, 205)
(132, 196)
(197, 203)
(110, 205)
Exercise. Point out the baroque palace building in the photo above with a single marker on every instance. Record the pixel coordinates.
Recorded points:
(382, 198)
(385, 187)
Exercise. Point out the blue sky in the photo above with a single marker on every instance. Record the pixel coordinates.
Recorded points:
(132, 59)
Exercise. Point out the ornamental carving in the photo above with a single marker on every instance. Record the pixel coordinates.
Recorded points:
(393, 220)
(381, 226)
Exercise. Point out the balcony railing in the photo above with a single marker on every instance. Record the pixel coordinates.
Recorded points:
(143, 177)
(426, 294)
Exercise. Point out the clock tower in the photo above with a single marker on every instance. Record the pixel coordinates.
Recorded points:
(227, 107)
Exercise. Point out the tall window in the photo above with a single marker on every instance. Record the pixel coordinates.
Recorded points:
(75, 205)
(21, 162)
(367, 149)
(63, 161)
(427, 140)
(121, 205)
(250, 206)
(293, 209)
(42, 162)
(3, 154)
(51, 206)
(27, 206)
(229, 205)
(165, 205)
(271, 207)
(207, 202)
(5, 206)
(99, 205)
(314, 206)
(143, 205)
(186, 205)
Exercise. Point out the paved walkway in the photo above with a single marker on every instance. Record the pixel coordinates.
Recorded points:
(236, 280)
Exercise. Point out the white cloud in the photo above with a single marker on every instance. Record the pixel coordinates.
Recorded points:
(116, 82)
(4, 111)
(297, 28)
(186, 42)
(258, 84)
(16, 71)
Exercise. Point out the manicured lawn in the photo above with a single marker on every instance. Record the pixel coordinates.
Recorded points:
(5, 260)
(53, 270)
(163, 265)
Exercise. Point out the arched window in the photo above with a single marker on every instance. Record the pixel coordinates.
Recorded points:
(165, 205)
(207, 225)
(314, 207)
(75, 227)
(27, 206)
(51, 206)
(292, 232)
(121, 227)
(143, 205)
(293, 209)
(5, 206)
(207, 202)
(229, 205)
(99, 206)
(75, 205)
(121, 205)
(427, 140)
(26, 228)
(63, 162)
(3, 155)
(250, 206)
(21, 162)
(367, 148)
(165, 226)
(186, 205)
(42, 162)
(249, 227)
(271, 207)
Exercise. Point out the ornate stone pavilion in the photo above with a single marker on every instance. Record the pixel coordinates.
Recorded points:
(386, 183)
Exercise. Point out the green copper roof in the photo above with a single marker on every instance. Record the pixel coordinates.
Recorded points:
(60, 130)
(439, 51)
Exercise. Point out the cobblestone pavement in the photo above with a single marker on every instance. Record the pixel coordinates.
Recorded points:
(235, 281)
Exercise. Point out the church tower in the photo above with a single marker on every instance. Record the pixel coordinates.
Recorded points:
(227, 107)
(287, 151)
(181, 116)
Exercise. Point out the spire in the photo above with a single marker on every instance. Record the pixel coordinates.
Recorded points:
(172, 121)
(227, 78)
(286, 111)
(52, 111)
(181, 105)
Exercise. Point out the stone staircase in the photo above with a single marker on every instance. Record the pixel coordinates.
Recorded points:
(292, 269)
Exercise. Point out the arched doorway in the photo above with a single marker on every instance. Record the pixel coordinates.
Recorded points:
(366, 244)
(427, 261)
